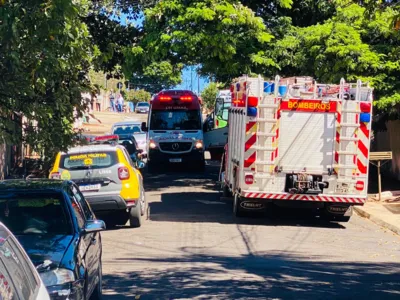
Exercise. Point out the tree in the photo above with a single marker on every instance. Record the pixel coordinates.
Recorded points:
(224, 37)
(137, 96)
(209, 95)
(44, 56)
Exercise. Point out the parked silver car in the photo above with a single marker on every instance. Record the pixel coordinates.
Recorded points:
(142, 107)
(18, 277)
(125, 128)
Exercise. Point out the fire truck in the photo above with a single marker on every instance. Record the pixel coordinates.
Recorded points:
(174, 130)
(295, 142)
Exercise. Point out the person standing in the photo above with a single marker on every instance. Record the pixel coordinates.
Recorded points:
(120, 103)
(98, 99)
(112, 101)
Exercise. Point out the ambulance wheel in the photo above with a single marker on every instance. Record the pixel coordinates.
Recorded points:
(237, 210)
(200, 166)
(135, 216)
(226, 192)
(151, 167)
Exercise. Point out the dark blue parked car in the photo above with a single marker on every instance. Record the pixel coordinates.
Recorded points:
(60, 233)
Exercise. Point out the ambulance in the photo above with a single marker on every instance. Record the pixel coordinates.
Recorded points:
(174, 130)
(298, 143)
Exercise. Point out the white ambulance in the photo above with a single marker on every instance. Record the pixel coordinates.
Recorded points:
(175, 134)
(295, 142)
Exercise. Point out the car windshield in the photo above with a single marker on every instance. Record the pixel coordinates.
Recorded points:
(35, 213)
(127, 129)
(175, 120)
(129, 145)
(88, 160)
(143, 104)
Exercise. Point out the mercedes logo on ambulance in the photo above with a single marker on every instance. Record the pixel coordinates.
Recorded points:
(175, 146)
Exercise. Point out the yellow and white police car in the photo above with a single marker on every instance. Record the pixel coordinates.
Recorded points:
(107, 177)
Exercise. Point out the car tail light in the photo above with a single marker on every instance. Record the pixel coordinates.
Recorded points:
(360, 185)
(217, 123)
(55, 175)
(165, 98)
(249, 179)
(123, 173)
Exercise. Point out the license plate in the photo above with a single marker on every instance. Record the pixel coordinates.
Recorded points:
(90, 187)
(175, 160)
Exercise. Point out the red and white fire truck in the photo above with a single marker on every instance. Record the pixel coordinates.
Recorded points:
(174, 129)
(296, 142)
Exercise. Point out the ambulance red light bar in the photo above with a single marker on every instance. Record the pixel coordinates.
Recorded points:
(165, 98)
(186, 98)
(104, 138)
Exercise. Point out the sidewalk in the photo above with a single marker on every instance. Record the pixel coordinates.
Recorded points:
(385, 214)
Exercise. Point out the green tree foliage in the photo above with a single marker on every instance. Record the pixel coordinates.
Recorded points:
(224, 37)
(137, 96)
(209, 95)
(44, 56)
(348, 45)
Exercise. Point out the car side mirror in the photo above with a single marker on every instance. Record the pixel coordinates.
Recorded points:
(141, 165)
(144, 127)
(94, 226)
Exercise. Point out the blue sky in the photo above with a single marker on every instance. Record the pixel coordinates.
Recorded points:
(190, 79)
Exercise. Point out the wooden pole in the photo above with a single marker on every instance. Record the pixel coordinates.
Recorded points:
(379, 180)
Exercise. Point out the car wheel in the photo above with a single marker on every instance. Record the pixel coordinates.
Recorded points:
(135, 216)
(98, 290)
(143, 203)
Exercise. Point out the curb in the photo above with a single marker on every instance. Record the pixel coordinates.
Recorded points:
(377, 221)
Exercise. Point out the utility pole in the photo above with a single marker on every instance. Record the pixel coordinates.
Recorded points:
(198, 84)
(191, 79)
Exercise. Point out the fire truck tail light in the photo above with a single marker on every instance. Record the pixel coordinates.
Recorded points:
(252, 101)
(365, 107)
(249, 179)
(360, 185)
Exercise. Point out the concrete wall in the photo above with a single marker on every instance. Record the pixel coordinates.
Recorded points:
(389, 141)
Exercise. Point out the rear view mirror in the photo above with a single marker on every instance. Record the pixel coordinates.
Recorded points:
(141, 165)
(94, 226)
(144, 127)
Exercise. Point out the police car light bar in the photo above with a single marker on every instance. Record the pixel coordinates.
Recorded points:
(104, 138)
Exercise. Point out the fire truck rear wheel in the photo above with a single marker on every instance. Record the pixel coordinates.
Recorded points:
(237, 210)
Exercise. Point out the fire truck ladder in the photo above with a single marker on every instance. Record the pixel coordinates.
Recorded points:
(346, 134)
(267, 120)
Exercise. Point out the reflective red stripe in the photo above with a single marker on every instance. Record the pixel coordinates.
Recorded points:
(248, 162)
(363, 148)
(361, 167)
(364, 129)
(250, 142)
(250, 126)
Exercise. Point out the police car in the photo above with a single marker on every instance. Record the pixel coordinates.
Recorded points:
(107, 177)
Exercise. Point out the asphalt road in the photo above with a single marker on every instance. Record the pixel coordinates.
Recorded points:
(191, 247)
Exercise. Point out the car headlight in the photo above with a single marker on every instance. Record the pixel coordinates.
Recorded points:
(57, 276)
(199, 144)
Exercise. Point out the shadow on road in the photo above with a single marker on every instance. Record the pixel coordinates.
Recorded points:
(209, 207)
(178, 176)
(273, 275)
